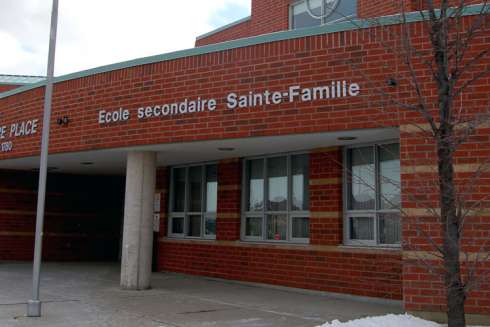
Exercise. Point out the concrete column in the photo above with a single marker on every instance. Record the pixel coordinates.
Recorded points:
(138, 221)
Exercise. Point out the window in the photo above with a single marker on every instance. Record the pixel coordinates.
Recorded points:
(372, 195)
(193, 201)
(276, 199)
(307, 13)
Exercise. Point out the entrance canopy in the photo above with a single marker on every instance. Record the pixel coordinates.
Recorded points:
(113, 161)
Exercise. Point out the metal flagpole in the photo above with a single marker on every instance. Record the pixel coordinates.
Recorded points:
(34, 305)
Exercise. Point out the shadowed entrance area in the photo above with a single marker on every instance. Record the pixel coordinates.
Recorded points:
(89, 295)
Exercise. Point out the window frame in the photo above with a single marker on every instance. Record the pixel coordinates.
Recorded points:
(348, 214)
(186, 213)
(264, 213)
(323, 20)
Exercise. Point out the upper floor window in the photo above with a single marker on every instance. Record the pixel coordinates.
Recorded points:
(307, 13)
(193, 201)
(372, 195)
(276, 199)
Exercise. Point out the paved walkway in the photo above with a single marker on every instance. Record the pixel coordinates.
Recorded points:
(83, 295)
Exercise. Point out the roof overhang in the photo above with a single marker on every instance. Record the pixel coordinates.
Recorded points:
(113, 161)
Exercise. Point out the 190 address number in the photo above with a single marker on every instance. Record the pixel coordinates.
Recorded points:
(6, 146)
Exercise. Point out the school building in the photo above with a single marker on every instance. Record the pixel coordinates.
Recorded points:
(265, 154)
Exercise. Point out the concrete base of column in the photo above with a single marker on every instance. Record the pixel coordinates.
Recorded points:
(34, 308)
(138, 221)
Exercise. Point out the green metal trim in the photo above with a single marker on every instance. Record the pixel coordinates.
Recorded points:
(225, 27)
(16, 84)
(19, 80)
(245, 42)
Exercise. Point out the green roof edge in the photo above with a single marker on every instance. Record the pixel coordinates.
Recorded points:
(16, 84)
(225, 27)
(245, 42)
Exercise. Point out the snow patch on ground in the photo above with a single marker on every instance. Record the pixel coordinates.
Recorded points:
(390, 320)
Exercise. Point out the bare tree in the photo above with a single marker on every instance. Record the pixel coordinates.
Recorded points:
(453, 64)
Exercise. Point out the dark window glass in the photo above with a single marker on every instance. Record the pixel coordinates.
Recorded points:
(362, 228)
(301, 17)
(389, 228)
(300, 180)
(255, 173)
(177, 225)
(195, 189)
(389, 175)
(322, 12)
(277, 179)
(362, 181)
(194, 226)
(211, 188)
(301, 227)
(179, 190)
(343, 10)
(277, 183)
(374, 190)
(253, 226)
(277, 227)
(194, 201)
(210, 226)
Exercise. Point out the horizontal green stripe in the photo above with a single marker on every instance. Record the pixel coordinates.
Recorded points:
(245, 42)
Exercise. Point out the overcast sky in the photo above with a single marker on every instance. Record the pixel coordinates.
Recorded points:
(92, 33)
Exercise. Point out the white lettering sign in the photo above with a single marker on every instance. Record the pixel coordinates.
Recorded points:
(339, 89)
(113, 116)
(3, 130)
(19, 129)
(295, 93)
(24, 128)
(6, 146)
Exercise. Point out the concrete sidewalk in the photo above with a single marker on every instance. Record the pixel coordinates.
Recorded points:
(79, 295)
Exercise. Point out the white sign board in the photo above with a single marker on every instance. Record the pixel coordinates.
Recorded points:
(156, 222)
(157, 202)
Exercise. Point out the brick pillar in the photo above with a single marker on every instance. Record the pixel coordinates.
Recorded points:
(424, 292)
(229, 200)
(326, 196)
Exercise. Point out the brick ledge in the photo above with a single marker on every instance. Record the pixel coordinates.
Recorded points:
(289, 246)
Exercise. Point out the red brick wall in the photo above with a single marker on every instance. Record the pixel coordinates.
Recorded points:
(310, 61)
(422, 4)
(424, 291)
(376, 8)
(81, 223)
(423, 286)
(229, 200)
(326, 196)
(368, 273)
(319, 266)
(275, 65)
(269, 16)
